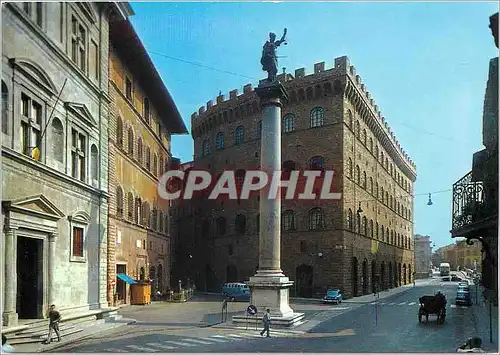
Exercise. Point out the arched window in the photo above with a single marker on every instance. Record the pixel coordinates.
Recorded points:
(138, 211)
(316, 220)
(130, 141)
(358, 223)
(371, 145)
(119, 131)
(259, 129)
(145, 214)
(349, 220)
(382, 194)
(241, 224)
(58, 140)
(119, 202)
(155, 164)
(358, 175)
(371, 185)
(382, 231)
(206, 147)
(288, 220)
(140, 157)
(317, 117)
(364, 180)
(5, 108)
(357, 129)
(317, 163)
(350, 118)
(349, 168)
(219, 141)
(130, 206)
(147, 110)
(94, 164)
(288, 123)
(148, 158)
(239, 135)
(364, 226)
(364, 137)
(387, 234)
(376, 230)
(376, 190)
(371, 228)
(221, 226)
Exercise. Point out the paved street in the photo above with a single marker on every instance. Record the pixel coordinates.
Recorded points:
(342, 328)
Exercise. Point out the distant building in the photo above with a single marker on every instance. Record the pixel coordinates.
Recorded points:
(422, 255)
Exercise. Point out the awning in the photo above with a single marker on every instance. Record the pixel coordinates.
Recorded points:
(126, 278)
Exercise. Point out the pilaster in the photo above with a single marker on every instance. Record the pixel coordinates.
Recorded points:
(10, 316)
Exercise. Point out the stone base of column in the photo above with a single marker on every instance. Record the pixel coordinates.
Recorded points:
(9, 319)
(271, 292)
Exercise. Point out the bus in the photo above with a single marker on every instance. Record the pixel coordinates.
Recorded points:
(444, 269)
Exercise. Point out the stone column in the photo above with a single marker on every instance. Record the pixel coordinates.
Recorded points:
(52, 266)
(269, 287)
(10, 281)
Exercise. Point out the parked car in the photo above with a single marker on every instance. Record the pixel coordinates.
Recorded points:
(236, 291)
(333, 296)
(455, 278)
(464, 286)
(463, 297)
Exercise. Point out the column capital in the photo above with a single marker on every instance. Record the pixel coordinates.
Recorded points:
(9, 229)
(271, 94)
(53, 236)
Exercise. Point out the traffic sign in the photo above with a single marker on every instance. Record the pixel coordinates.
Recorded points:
(252, 310)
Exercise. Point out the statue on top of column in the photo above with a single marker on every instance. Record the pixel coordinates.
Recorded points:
(269, 60)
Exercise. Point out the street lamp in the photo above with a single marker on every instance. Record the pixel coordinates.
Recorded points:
(360, 210)
(429, 203)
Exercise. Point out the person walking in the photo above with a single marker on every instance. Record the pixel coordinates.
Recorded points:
(55, 318)
(266, 320)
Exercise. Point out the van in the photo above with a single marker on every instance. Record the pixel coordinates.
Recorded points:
(235, 291)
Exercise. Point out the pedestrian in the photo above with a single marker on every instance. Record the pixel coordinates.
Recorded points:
(6, 348)
(54, 319)
(413, 274)
(266, 320)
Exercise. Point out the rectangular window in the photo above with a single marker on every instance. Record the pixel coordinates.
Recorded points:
(31, 125)
(144, 244)
(78, 155)
(150, 245)
(128, 88)
(147, 110)
(95, 58)
(78, 241)
(78, 44)
(303, 246)
(39, 14)
(27, 8)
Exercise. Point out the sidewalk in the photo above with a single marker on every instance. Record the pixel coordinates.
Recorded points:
(481, 324)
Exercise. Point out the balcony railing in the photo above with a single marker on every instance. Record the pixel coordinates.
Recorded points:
(471, 203)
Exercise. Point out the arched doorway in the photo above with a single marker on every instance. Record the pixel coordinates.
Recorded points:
(142, 273)
(410, 275)
(399, 274)
(391, 275)
(231, 273)
(375, 283)
(365, 277)
(152, 277)
(395, 284)
(159, 277)
(382, 276)
(404, 274)
(354, 276)
(304, 277)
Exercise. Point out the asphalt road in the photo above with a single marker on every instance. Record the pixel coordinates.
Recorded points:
(394, 327)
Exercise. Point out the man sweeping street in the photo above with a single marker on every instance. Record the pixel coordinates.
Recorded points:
(55, 318)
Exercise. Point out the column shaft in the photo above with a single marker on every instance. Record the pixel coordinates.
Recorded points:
(51, 272)
(10, 280)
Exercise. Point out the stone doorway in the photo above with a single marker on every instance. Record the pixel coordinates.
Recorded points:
(304, 276)
(121, 286)
(29, 300)
(354, 276)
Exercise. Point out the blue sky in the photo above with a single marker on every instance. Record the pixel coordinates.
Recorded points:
(425, 64)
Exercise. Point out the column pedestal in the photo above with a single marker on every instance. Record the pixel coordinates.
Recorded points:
(269, 287)
(10, 316)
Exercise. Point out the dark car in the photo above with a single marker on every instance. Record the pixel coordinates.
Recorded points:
(333, 296)
(463, 297)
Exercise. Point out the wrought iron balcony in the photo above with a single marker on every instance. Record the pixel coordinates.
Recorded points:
(474, 204)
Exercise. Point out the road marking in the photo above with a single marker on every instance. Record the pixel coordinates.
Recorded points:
(115, 350)
(250, 335)
(383, 303)
(340, 308)
(392, 304)
(142, 348)
(218, 339)
(373, 303)
(344, 332)
(161, 346)
(179, 343)
(411, 304)
(197, 341)
(235, 336)
(402, 303)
